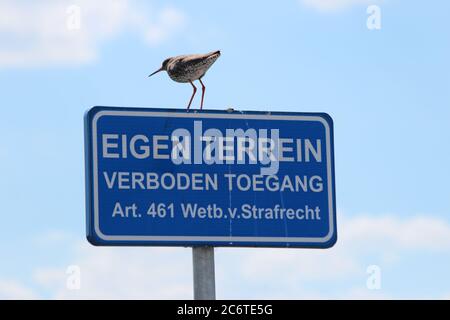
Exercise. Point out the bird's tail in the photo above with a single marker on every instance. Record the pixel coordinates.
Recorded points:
(215, 53)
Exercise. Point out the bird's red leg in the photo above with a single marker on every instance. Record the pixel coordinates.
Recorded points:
(203, 93)
(193, 94)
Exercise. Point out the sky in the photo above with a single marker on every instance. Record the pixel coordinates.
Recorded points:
(387, 90)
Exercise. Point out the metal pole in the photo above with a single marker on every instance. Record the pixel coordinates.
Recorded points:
(204, 277)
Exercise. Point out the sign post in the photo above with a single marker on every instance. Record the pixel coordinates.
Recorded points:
(167, 177)
(204, 275)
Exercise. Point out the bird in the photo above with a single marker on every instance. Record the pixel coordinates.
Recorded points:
(188, 68)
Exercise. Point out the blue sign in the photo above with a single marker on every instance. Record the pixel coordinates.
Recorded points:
(168, 177)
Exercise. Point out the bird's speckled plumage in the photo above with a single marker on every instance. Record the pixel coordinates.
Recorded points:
(188, 68)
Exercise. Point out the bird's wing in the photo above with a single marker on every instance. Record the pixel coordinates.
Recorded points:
(191, 62)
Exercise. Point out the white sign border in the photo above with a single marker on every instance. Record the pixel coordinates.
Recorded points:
(287, 117)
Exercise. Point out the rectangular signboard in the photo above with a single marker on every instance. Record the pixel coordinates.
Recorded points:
(168, 177)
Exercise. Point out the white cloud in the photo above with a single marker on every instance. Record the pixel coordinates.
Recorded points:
(339, 272)
(333, 5)
(415, 233)
(124, 273)
(53, 237)
(46, 32)
(287, 273)
(361, 293)
(169, 21)
(13, 290)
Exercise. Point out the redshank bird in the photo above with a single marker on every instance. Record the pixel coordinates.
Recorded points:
(188, 68)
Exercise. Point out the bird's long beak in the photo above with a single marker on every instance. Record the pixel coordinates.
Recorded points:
(160, 69)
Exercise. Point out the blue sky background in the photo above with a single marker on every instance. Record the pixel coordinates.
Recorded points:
(387, 90)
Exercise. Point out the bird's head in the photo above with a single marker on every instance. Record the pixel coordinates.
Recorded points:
(163, 66)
